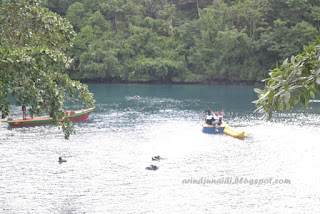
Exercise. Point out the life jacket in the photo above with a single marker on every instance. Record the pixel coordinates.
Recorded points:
(209, 119)
(216, 117)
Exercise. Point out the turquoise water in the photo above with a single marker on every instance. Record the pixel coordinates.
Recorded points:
(106, 160)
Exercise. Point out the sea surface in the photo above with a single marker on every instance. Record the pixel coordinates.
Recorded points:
(274, 170)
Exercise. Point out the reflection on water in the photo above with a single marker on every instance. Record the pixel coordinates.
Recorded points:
(106, 160)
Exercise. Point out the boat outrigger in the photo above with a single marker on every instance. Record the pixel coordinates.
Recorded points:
(80, 115)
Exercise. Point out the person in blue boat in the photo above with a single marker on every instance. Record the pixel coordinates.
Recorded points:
(217, 118)
(209, 117)
(208, 111)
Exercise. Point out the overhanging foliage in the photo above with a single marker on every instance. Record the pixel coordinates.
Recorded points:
(296, 81)
(33, 41)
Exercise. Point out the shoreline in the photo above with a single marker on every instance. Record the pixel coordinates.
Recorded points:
(209, 83)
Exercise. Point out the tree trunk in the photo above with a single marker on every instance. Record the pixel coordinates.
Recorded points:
(198, 8)
(115, 23)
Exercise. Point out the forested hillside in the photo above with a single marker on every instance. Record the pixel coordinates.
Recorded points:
(185, 40)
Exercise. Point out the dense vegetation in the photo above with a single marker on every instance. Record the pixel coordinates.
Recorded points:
(185, 40)
(33, 41)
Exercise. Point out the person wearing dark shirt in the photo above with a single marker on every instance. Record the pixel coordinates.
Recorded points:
(24, 112)
(208, 111)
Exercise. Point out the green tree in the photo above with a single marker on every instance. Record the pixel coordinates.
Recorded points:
(98, 63)
(286, 41)
(246, 15)
(113, 11)
(33, 42)
(97, 19)
(58, 6)
(315, 16)
(76, 15)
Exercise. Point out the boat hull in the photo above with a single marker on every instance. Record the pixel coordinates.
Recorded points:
(81, 115)
(210, 129)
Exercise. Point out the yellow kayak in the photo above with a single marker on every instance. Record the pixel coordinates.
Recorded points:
(229, 131)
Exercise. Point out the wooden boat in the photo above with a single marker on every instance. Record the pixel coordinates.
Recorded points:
(80, 115)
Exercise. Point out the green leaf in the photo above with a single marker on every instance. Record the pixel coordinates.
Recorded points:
(281, 107)
(258, 91)
(270, 96)
(286, 97)
(293, 59)
(288, 107)
(312, 95)
(306, 103)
